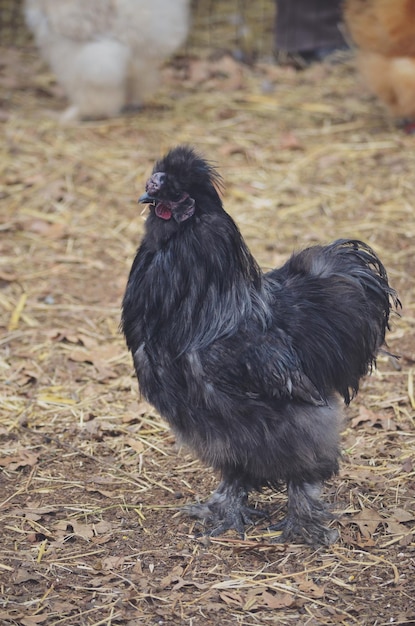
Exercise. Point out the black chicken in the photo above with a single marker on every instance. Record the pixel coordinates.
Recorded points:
(246, 367)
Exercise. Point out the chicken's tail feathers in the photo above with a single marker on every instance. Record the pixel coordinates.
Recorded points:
(342, 295)
(363, 265)
(370, 271)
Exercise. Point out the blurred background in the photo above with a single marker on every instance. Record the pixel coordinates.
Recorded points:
(239, 26)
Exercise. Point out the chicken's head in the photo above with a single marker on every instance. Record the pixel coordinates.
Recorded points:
(181, 183)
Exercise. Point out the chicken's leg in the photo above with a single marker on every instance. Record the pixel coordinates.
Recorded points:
(305, 517)
(226, 509)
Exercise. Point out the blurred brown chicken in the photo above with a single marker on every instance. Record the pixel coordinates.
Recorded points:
(384, 31)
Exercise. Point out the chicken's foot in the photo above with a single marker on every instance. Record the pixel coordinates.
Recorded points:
(305, 517)
(226, 509)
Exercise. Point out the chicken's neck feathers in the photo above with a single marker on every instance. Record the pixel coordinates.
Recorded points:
(198, 286)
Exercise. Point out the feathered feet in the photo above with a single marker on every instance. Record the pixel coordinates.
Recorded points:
(305, 517)
(226, 509)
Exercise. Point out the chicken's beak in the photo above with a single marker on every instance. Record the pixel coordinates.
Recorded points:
(145, 199)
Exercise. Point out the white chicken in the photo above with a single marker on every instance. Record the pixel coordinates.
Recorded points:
(106, 54)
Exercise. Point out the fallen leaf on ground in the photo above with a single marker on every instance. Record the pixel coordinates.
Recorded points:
(23, 458)
(369, 418)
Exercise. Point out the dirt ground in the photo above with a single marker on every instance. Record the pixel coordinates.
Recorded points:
(91, 479)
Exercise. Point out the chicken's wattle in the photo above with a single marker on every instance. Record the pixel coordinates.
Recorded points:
(163, 211)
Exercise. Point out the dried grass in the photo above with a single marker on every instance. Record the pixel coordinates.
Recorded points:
(92, 482)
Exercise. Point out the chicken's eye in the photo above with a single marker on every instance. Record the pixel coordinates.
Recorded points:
(175, 195)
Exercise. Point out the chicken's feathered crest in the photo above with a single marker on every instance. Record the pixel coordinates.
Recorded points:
(187, 171)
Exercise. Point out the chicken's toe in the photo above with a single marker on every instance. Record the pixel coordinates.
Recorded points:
(313, 532)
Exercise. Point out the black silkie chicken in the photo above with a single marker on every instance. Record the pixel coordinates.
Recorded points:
(247, 367)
